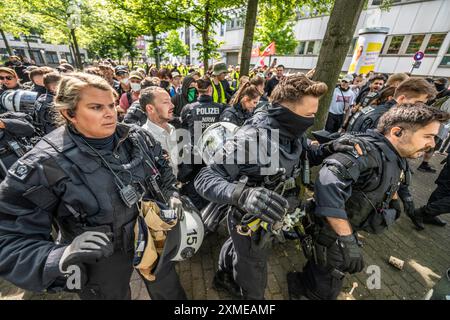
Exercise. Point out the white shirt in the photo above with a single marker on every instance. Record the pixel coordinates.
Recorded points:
(167, 139)
(340, 99)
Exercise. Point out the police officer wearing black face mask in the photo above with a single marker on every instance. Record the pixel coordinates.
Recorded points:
(86, 176)
(15, 133)
(196, 118)
(44, 112)
(354, 192)
(270, 149)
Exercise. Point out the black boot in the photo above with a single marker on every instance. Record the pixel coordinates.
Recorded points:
(434, 220)
(425, 167)
(296, 289)
(224, 281)
(417, 218)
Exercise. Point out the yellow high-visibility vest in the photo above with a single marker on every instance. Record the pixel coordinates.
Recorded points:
(223, 98)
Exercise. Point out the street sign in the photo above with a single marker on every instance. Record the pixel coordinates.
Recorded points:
(418, 56)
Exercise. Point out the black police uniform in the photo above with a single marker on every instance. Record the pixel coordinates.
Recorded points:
(368, 117)
(44, 114)
(360, 189)
(439, 201)
(202, 113)
(240, 255)
(64, 180)
(135, 115)
(235, 114)
(14, 139)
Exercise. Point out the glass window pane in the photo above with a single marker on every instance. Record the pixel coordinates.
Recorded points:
(317, 45)
(301, 47)
(445, 61)
(395, 45)
(310, 48)
(435, 43)
(415, 43)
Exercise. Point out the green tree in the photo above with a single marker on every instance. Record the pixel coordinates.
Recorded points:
(249, 31)
(276, 22)
(175, 46)
(340, 29)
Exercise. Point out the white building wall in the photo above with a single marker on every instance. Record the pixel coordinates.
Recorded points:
(417, 17)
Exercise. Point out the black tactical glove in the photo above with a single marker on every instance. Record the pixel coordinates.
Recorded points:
(88, 247)
(351, 253)
(347, 143)
(267, 205)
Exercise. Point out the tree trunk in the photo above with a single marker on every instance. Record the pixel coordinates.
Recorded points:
(155, 48)
(247, 44)
(77, 50)
(205, 38)
(341, 27)
(5, 40)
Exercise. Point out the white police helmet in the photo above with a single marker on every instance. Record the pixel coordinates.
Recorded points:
(214, 138)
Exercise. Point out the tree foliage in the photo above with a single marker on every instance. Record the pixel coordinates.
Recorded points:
(175, 46)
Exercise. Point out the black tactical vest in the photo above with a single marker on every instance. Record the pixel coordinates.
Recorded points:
(368, 207)
(90, 198)
(367, 118)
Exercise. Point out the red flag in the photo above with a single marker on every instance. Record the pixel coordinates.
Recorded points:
(255, 52)
(269, 51)
(261, 62)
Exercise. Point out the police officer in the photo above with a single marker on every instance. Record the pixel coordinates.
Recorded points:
(242, 105)
(44, 113)
(355, 193)
(15, 131)
(196, 117)
(437, 204)
(411, 90)
(256, 207)
(87, 176)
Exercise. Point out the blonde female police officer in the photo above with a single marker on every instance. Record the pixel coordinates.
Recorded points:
(86, 176)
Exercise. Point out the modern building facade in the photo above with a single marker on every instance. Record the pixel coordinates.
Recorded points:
(413, 26)
(35, 48)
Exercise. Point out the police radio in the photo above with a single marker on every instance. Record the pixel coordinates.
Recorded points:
(16, 148)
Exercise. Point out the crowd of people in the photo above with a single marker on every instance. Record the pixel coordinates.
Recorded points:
(104, 169)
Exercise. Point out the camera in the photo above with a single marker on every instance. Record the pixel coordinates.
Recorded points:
(18, 100)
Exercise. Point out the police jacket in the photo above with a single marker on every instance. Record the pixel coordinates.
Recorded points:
(44, 114)
(64, 180)
(204, 111)
(368, 117)
(14, 138)
(361, 188)
(235, 114)
(217, 182)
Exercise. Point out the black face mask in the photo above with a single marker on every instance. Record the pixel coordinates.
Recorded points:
(290, 121)
(440, 87)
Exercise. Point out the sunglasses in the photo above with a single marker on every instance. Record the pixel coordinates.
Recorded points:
(6, 78)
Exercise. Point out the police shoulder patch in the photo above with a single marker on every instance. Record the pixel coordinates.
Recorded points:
(20, 170)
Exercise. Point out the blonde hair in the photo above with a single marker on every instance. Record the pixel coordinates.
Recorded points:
(69, 90)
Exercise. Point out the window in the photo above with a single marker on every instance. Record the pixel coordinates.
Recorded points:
(317, 45)
(434, 44)
(19, 52)
(415, 43)
(232, 24)
(310, 47)
(301, 47)
(446, 59)
(36, 55)
(396, 43)
(52, 57)
(67, 56)
(222, 30)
